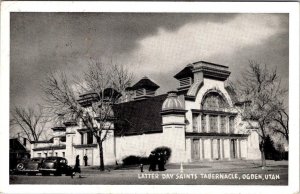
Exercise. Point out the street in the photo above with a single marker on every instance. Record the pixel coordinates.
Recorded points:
(201, 173)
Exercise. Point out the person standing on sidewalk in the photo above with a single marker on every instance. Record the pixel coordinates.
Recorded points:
(76, 167)
(85, 158)
(152, 161)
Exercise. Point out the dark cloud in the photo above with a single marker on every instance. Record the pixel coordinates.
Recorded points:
(41, 42)
(273, 52)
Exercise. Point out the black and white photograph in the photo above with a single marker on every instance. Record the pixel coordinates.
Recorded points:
(150, 98)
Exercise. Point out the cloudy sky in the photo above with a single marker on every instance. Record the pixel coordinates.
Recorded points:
(155, 45)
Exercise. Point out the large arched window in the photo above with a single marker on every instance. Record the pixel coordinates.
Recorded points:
(214, 101)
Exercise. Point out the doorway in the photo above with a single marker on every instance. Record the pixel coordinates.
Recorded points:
(233, 148)
(89, 153)
(196, 149)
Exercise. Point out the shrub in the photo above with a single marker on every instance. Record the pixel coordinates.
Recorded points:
(166, 151)
(132, 160)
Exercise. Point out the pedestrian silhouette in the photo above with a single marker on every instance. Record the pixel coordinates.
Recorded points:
(161, 161)
(85, 158)
(152, 161)
(76, 167)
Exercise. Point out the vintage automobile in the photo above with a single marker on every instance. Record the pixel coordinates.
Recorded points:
(29, 166)
(55, 165)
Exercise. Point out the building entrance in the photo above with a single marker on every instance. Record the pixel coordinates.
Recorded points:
(196, 149)
(89, 154)
(233, 150)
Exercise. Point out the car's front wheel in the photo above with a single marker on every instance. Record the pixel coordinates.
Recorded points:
(20, 166)
(45, 174)
(58, 173)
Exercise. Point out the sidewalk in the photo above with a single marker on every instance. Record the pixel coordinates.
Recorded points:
(196, 167)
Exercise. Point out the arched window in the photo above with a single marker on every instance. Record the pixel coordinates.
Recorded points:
(214, 101)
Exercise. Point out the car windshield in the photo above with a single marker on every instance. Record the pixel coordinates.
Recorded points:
(50, 160)
(36, 159)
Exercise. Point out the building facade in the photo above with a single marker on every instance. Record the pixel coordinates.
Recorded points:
(201, 120)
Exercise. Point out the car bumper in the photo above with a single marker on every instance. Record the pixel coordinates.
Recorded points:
(47, 170)
(29, 170)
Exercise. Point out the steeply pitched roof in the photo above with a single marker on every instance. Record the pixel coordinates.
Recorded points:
(186, 72)
(139, 117)
(145, 82)
(211, 70)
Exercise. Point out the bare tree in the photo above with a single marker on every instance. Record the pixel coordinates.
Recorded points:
(103, 84)
(261, 89)
(281, 123)
(31, 121)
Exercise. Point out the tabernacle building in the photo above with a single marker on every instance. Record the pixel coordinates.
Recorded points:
(201, 120)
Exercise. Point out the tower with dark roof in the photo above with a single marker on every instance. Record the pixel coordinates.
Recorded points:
(59, 130)
(143, 89)
(173, 123)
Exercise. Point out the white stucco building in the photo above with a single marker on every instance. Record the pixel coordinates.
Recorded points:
(199, 121)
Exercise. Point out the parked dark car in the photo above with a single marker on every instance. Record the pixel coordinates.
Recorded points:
(55, 165)
(29, 166)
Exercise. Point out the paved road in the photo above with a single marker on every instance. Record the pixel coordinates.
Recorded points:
(209, 173)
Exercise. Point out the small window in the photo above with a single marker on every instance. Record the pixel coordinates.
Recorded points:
(139, 92)
(56, 154)
(46, 154)
(150, 92)
(203, 123)
(213, 123)
(39, 154)
(195, 123)
(185, 81)
(81, 135)
(231, 124)
(223, 124)
(89, 137)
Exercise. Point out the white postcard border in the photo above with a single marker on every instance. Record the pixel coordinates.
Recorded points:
(229, 7)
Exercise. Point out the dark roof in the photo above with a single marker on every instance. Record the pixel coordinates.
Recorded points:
(54, 147)
(186, 72)
(44, 141)
(59, 128)
(16, 146)
(145, 82)
(88, 94)
(139, 117)
(215, 64)
(88, 98)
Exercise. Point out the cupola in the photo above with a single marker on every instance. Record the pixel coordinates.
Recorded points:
(59, 124)
(86, 99)
(143, 89)
(108, 95)
(185, 77)
(197, 71)
(59, 130)
(173, 104)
